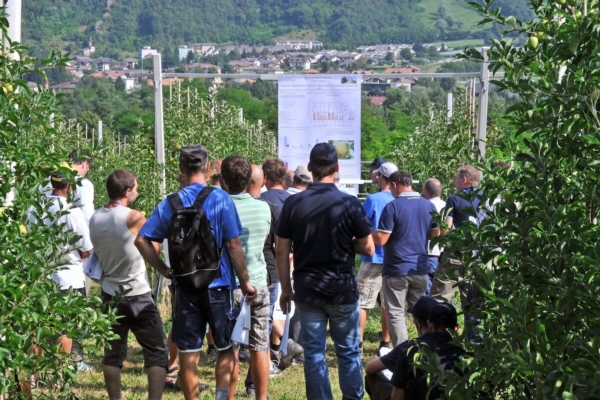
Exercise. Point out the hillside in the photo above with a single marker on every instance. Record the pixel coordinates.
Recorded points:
(123, 26)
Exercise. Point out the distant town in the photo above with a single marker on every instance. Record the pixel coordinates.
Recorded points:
(286, 57)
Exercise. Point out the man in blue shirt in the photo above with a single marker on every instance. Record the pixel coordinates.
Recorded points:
(449, 272)
(368, 277)
(274, 170)
(194, 309)
(404, 229)
(327, 228)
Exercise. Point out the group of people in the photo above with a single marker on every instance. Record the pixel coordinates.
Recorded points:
(292, 231)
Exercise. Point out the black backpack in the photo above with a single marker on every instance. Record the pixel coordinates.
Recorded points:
(193, 250)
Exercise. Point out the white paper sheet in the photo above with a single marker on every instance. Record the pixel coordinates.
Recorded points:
(241, 331)
(92, 268)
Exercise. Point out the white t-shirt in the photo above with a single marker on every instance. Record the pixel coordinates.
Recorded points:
(439, 205)
(83, 196)
(71, 276)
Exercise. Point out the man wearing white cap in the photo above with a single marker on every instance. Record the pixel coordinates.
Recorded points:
(301, 180)
(369, 273)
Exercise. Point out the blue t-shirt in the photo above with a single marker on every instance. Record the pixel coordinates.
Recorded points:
(275, 196)
(468, 208)
(374, 206)
(408, 220)
(221, 213)
(321, 222)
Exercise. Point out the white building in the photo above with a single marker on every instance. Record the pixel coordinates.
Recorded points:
(299, 45)
(183, 52)
(145, 52)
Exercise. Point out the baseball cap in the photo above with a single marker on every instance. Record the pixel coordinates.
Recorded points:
(443, 313)
(386, 169)
(193, 156)
(421, 309)
(377, 162)
(323, 154)
(57, 177)
(302, 173)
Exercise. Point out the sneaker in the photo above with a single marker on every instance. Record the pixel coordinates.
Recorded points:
(211, 353)
(202, 387)
(83, 367)
(244, 355)
(250, 391)
(293, 350)
(298, 360)
(274, 371)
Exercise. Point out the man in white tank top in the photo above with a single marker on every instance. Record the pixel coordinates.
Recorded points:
(113, 229)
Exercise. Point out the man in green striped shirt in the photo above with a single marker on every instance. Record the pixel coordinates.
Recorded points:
(255, 216)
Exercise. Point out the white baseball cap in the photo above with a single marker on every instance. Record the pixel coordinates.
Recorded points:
(386, 169)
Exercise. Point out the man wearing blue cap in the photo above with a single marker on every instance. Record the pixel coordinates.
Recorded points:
(327, 228)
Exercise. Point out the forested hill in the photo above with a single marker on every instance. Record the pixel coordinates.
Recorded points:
(126, 25)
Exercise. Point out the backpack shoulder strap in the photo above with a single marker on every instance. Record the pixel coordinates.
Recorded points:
(202, 196)
(175, 202)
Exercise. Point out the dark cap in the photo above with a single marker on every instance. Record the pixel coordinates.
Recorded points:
(193, 156)
(57, 177)
(421, 309)
(323, 154)
(443, 313)
(377, 162)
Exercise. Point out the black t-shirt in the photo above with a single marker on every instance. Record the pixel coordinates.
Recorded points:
(275, 196)
(416, 385)
(321, 222)
(269, 249)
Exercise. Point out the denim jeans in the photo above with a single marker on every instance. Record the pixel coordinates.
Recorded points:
(343, 322)
(432, 263)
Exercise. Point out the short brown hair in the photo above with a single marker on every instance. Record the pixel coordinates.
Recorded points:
(274, 170)
(321, 171)
(118, 182)
(401, 178)
(471, 173)
(236, 172)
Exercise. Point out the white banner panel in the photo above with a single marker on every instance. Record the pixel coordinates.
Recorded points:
(320, 108)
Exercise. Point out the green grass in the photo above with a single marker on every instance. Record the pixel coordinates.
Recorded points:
(458, 9)
(288, 386)
(460, 44)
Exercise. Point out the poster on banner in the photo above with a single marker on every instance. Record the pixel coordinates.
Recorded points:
(320, 108)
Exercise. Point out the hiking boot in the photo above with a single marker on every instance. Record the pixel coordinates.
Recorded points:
(274, 371)
(83, 367)
(293, 350)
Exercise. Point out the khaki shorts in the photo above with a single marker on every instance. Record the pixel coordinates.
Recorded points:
(369, 283)
(259, 313)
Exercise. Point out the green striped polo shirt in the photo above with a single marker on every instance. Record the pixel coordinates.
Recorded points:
(255, 216)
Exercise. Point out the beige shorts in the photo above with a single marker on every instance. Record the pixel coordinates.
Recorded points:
(369, 281)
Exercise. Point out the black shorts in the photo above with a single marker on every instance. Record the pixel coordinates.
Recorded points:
(140, 315)
(193, 310)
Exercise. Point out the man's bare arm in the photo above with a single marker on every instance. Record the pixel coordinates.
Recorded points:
(238, 262)
(397, 394)
(282, 253)
(149, 251)
(364, 246)
(374, 366)
(448, 225)
(381, 238)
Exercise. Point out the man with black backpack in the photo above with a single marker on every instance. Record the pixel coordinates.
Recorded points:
(203, 229)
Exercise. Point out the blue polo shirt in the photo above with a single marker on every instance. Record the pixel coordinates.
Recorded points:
(321, 222)
(221, 213)
(408, 220)
(463, 209)
(374, 206)
(275, 196)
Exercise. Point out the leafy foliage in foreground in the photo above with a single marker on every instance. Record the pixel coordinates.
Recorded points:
(535, 259)
(33, 311)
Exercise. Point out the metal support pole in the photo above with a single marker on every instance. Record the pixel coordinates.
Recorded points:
(449, 106)
(159, 133)
(483, 104)
(99, 131)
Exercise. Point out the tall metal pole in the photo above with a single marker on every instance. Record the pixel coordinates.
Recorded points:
(483, 103)
(449, 106)
(99, 131)
(159, 132)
